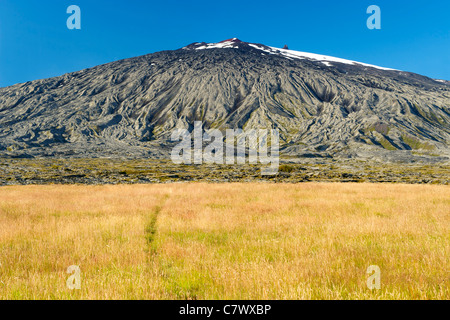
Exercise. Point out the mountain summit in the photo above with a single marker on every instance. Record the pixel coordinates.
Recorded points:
(322, 106)
(235, 43)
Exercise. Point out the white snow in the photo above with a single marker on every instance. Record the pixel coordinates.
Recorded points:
(220, 45)
(312, 56)
(289, 54)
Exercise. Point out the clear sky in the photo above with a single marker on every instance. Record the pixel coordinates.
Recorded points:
(35, 42)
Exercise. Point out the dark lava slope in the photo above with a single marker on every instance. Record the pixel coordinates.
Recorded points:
(129, 108)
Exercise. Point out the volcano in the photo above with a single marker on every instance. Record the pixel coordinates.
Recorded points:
(322, 106)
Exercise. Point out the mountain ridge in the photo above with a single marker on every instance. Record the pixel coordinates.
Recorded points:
(339, 108)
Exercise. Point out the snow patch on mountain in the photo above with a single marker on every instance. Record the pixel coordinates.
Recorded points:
(235, 43)
(312, 56)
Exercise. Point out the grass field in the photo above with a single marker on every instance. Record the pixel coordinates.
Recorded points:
(225, 241)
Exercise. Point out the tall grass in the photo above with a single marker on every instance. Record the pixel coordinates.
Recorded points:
(225, 241)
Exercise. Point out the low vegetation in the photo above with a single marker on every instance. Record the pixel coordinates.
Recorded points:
(115, 171)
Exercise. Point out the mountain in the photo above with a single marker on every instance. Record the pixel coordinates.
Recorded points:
(322, 106)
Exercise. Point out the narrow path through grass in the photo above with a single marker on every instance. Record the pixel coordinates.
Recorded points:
(150, 228)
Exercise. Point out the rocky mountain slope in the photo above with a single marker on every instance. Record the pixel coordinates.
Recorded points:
(322, 106)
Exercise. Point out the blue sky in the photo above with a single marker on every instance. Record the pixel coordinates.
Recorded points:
(35, 42)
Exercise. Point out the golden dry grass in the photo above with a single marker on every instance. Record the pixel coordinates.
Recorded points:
(225, 241)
